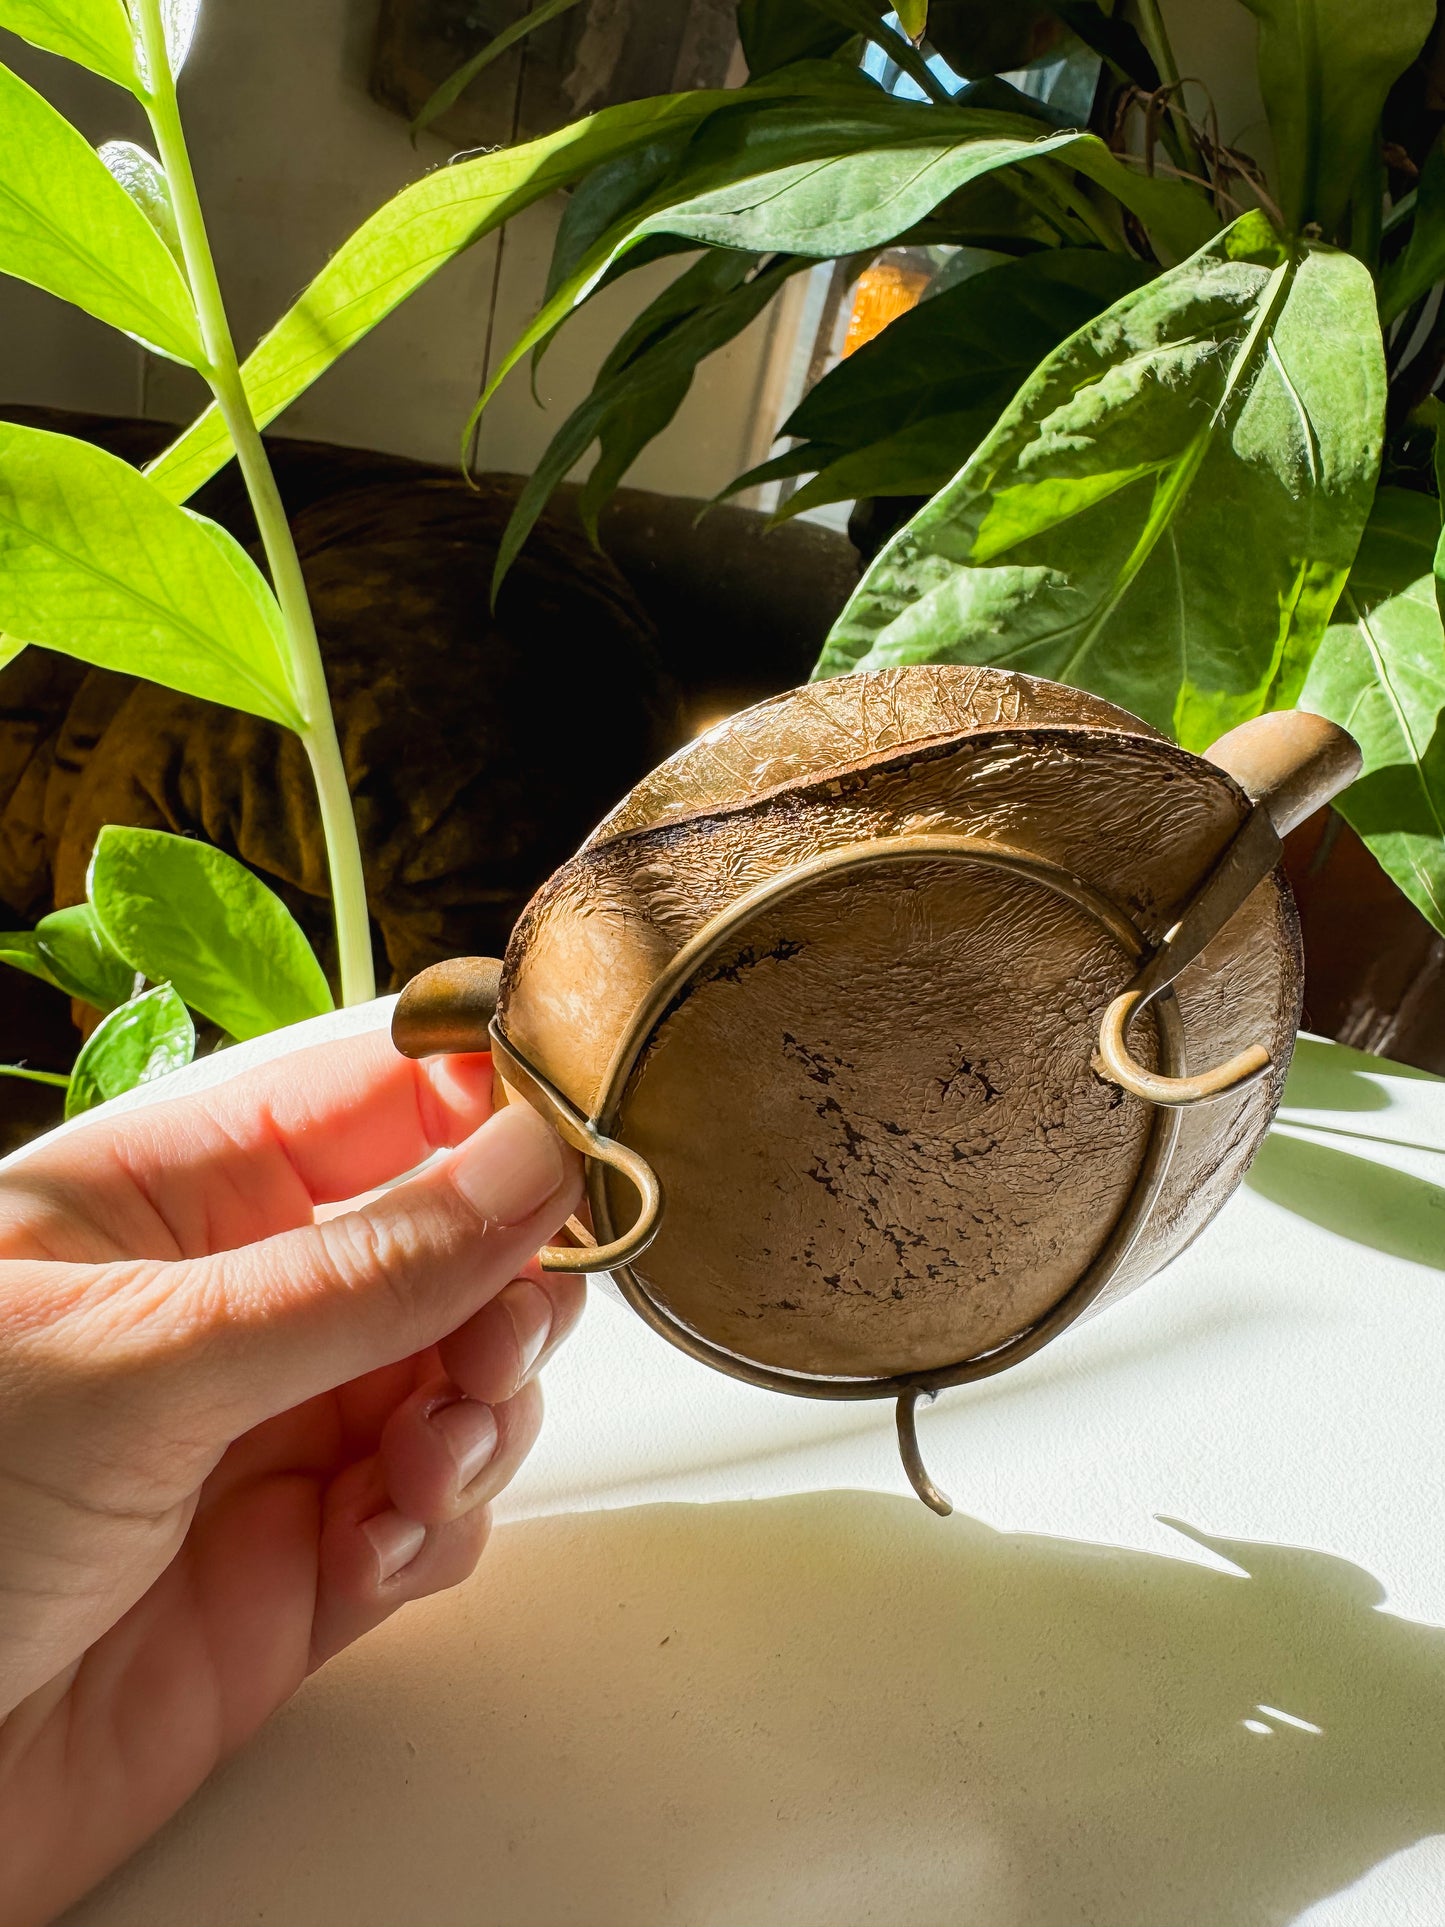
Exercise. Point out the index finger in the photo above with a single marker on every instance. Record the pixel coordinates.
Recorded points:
(245, 1159)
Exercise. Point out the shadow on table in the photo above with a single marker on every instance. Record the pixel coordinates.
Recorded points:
(1358, 1197)
(831, 1709)
(1333, 1077)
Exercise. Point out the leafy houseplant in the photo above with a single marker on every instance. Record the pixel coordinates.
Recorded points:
(1152, 433)
(1166, 408)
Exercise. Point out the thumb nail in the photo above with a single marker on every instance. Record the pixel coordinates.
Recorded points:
(511, 1167)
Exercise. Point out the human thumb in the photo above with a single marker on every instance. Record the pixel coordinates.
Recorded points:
(265, 1326)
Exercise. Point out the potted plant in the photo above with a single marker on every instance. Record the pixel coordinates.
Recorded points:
(1175, 438)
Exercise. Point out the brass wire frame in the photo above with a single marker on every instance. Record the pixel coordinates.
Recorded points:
(616, 1252)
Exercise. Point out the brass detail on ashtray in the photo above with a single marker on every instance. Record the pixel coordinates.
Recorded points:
(853, 980)
(601, 1152)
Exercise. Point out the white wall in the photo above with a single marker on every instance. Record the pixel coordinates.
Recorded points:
(291, 154)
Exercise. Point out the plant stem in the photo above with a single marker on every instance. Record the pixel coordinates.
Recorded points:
(318, 735)
(1155, 36)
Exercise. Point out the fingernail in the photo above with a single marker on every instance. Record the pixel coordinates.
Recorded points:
(511, 1166)
(530, 1310)
(470, 1432)
(396, 1542)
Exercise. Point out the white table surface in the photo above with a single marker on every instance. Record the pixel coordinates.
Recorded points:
(1178, 1658)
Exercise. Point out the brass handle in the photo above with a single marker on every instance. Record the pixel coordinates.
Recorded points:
(453, 1007)
(583, 1136)
(1153, 1087)
(448, 1008)
(1288, 764)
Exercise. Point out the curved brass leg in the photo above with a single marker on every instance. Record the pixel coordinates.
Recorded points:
(912, 1458)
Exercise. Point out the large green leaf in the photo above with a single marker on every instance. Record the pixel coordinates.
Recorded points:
(777, 33)
(1380, 672)
(808, 110)
(917, 460)
(603, 196)
(1325, 67)
(70, 950)
(1421, 263)
(141, 1041)
(96, 33)
(67, 226)
(902, 414)
(185, 913)
(96, 563)
(647, 389)
(849, 202)
(402, 246)
(1166, 513)
(863, 173)
(626, 429)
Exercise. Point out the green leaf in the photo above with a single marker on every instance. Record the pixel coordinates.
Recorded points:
(660, 375)
(864, 17)
(779, 33)
(1421, 263)
(648, 407)
(402, 246)
(457, 84)
(918, 460)
(609, 191)
(1168, 509)
(803, 112)
(979, 37)
(67, 226)
(902, 414)
(1114, 38)
(1325, 67)
(1380, 672)
(144, 179)
(862, 173)
(960, 353)
(715, 275)
(95, 33)
(185, 913)
(848, 203)
(97, 564)
(70, 950)
(141, 1041)
(969, 345)
(913, 17)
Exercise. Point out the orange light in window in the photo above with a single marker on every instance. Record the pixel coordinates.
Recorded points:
(884, 292)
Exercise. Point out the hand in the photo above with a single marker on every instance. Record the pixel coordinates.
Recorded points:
(233, 1438)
